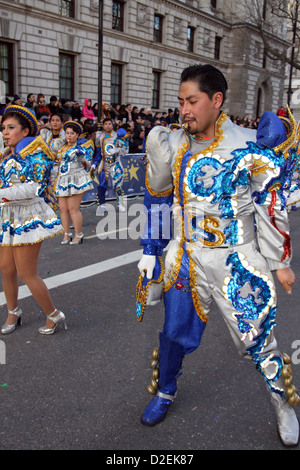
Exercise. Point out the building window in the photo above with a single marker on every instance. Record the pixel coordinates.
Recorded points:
(158, 26)
(156, 90)
(217, 48)
(190, 38)
(213, 3)
(66, 76)
(116, 84)
(117, 15)
(67, 8)
(6, 67)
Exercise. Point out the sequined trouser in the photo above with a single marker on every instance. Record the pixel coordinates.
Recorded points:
(240, 282)
(115, 171)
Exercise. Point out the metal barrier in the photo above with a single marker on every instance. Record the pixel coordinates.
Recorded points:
(134, 165)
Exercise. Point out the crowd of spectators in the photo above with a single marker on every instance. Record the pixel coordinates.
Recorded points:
(138, 121)
(246, 121)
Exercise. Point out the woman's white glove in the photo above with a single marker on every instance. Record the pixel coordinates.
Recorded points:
(147, 262)
(20, 191)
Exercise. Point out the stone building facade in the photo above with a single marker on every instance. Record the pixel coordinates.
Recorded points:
(52, 48)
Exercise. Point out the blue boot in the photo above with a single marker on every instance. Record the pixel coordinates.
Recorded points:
(156, 410)
(170, 359)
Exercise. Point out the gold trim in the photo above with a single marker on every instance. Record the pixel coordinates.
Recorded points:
(88, 143)
(284, 147)
(177, 166)
(38, 142)
(151, 191)
(218, 233)
(210, 148)
(173, 271)
(33, 243)
(195, 295)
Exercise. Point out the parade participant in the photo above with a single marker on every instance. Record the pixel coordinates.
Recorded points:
(217, 177)
(101, 164)
(73, 179)
(54, 137)
(26, 219)
(111, 166)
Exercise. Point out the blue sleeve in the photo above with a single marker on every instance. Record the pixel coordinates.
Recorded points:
(98, 156)
(158, 226)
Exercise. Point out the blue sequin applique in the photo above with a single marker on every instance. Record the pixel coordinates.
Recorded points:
(249, 309)
(215, 180)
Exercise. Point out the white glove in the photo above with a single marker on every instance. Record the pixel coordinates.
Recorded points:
(94, 170)
(20, 191)
(147, 262)
(113, 151)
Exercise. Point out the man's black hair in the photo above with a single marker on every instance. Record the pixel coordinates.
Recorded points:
(210, 79)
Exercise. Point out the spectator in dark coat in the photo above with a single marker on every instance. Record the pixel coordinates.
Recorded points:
(137, 143)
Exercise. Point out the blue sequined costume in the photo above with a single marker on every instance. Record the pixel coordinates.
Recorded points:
(74, 163)
(218, 192)
(109, 148)
(26, 195)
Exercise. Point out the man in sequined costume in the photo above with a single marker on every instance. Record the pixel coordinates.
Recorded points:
(110, 146)
(217, 176)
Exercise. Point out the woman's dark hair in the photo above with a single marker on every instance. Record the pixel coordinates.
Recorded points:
(210, 79)
(74, 127)
(21, 120)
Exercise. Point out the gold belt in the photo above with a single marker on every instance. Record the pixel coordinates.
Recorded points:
(210, 231)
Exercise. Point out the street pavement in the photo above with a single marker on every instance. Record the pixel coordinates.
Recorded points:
(85, 388)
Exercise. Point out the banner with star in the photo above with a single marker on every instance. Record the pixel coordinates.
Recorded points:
(134, 165)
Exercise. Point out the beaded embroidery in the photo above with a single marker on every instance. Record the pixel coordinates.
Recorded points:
(248, 310)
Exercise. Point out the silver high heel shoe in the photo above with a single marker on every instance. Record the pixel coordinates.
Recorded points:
(67, 240)
(5, 329)
(57, 319)
(78, 242)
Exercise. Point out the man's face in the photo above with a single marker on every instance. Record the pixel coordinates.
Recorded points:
(139, 120)
(56, 123)
(131, 126)
(107, 126)
(197, 110)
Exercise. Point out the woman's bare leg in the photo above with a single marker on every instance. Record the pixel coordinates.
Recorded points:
(26, 261)
(74, 210)
(9, 281)
(64, 214)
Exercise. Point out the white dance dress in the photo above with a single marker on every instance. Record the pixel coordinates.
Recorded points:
(26, 197)
(74, 164)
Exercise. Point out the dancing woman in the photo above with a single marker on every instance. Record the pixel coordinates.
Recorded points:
(26, 219)
(73, 179)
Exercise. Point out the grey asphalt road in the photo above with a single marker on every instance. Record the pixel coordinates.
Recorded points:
(85, 388)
